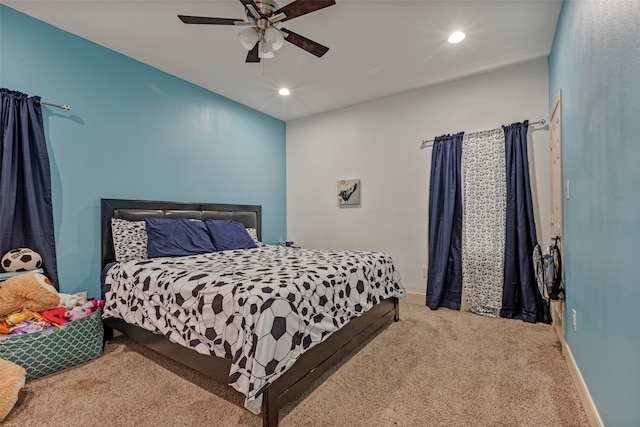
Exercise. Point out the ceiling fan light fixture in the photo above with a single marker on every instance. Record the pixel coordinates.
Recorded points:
(456, 37)
(262, 35)
(275, 37)
(248, 38)
(265, 50)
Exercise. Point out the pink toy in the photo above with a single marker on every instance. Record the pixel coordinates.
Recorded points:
(85, 309)
(77, 313)
(94, 304)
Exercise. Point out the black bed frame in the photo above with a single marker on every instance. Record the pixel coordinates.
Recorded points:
(309, 367)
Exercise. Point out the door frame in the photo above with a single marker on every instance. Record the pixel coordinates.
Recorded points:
(557, 196)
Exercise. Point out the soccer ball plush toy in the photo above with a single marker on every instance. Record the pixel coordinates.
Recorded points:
(11, 385)
(21, 259)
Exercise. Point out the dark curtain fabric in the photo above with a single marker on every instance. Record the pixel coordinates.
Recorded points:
(521, 298)
(26, 215)
(444, 282)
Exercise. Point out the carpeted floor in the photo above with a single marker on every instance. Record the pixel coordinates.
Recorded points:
(433, 368)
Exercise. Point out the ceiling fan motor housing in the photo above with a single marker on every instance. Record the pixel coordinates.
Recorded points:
(265, 8)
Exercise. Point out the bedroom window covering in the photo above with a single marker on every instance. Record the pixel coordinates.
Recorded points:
(521, 298)
(26, 214)
(483, 220)
(444, 282)
(494, 260)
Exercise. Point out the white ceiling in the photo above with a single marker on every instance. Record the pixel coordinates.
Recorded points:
(377, 47)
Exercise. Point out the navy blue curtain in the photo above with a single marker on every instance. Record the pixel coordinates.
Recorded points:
(521, 298)
(26, 215)
(444, 282)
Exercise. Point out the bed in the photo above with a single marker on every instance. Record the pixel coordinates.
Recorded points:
(268, 321)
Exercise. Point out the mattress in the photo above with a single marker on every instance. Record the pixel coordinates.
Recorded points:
(261, 308)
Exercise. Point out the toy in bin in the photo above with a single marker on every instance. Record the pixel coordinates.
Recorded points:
(61, 317)
(29, 303)
(31, 291)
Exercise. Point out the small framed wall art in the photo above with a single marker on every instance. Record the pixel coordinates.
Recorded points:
(349, 192)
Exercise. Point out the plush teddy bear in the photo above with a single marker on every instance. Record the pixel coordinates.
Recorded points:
(11, 385)
(32, 291)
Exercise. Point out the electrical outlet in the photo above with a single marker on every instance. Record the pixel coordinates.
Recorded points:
(425, 271)
(573, 319)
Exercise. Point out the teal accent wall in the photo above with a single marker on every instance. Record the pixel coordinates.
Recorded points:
(595, 60)
(135, 132)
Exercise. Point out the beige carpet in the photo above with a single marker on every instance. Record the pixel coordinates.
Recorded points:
(433, 368)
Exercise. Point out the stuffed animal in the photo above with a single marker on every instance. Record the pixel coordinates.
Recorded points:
(11, 385)
(21, 259)
(69, 301)
(32, 291)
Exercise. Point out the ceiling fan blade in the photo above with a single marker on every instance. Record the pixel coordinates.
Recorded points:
(302, 7)
(252, 8)
(304, 43)
(252, 56)
(211, 21)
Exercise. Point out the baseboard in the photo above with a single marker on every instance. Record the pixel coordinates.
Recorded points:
(417, 299)
(557, 309)
(589, 407)
(421, 299)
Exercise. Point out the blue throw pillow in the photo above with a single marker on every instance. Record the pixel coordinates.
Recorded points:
(227, 234)
(177, 237)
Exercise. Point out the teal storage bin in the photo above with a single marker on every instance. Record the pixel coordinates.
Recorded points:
(54, 349)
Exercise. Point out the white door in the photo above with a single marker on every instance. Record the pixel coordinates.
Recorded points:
(557, 200)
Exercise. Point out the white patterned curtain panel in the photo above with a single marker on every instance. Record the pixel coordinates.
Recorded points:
(483, 220)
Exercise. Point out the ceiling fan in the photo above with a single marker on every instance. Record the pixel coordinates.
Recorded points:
(263, 34)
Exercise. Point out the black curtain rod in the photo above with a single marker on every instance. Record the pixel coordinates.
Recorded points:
(425, 143)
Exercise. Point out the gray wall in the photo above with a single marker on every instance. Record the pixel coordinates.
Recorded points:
(379, 143)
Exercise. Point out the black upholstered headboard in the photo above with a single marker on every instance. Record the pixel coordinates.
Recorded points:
(137, 210)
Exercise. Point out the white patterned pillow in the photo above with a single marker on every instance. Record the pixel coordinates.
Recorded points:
(254, 236)
(129, 239)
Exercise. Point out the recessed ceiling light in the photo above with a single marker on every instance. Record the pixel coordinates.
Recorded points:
(456, 37)
(284, 91)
